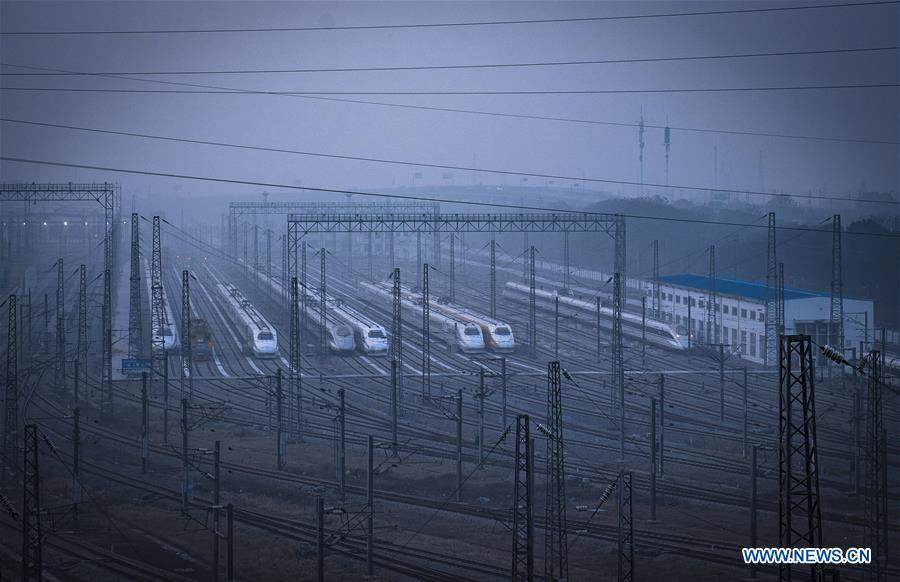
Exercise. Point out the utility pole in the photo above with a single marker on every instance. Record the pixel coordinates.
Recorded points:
(11, 403)
(532, 311)
(556, 547)
(371, 255)
(771, 329)
(493, 279)
(503, 387)
(876, 498)
(567, 281)
(599, 337)
(342, 444)
(419, 260)
(323, 345)
(396, 345)
(618, 363)
(656, 309)
(452, 267)
(426, 334)
(135, 321)
(523, 509)
(481, 417)
(394, 405)
(269, 261)
(76, 463)
(668, 144)
(60, 329)
(320, 539)
(370, 503)
(556, 326)
(217, 501)
(295, 380)
(641, 143)
(653, 467)
(799, 509)
(459, 444)
(107, 344)
(643, 329)
(625, 529)
(187, 372)
(32, 540)
(185, 466)
(81, 355)
(712, 300)
(145, 424)
(279, 420)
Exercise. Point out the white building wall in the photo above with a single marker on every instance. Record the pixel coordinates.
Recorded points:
(742, 321)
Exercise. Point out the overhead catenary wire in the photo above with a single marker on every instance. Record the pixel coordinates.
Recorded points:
(455, 24)
(468, 66)
(468, 111)
(382, 160)
(411, 197)
(771, 88)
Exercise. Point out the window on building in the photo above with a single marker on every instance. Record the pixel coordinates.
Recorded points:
(752, 343)
(743, 314)
(762, 345)
(693, 302)
(678, 299)
(734, 311)
(734, 336)
(753, 315)
(670, 297)
(743, 342)
(701, 304)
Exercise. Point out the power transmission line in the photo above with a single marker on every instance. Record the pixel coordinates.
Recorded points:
(467, 66)
(454, 24)
(422, 198)
(395, 162)
(772, 88)
(471, 111)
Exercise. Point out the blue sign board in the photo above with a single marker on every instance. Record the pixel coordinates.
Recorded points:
(136, 365)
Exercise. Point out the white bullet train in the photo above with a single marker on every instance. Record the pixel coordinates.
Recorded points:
(168, 330)
(455, 332)
(339, 335)
(498, 336)
(371, 338)
(658, 333)
(256, 335)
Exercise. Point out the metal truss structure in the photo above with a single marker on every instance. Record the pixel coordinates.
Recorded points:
(556, 546)
(523, 509)
(799, 510)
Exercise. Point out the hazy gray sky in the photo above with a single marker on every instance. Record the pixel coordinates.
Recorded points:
(453, 138)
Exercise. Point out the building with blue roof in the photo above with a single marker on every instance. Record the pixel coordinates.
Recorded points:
(740, 314)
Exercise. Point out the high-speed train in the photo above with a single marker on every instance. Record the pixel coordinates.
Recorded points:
(658, 332)
(498, 336)
(371, 338)
(455, 332)
(339, 336)
(256, 335)
(168, 330)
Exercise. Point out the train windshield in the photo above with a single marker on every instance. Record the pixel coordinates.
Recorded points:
(502, 331)
(471, 331)
(681, 330)
(265, 335)
(342, 332)
(376, 333)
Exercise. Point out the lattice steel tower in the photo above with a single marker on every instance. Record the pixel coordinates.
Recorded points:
(836, 320)
(618, 362)
(876, 492)
(532, 312)
(426, 334)
(157, 311)
(60, 380)
(771, 329)
(135, 321)
(396, 345)
(556, 546)
(11, 403)
(712, 299)
(799, 510)
(523, 509)
(32, 561)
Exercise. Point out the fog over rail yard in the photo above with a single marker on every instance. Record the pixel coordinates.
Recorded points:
(449, 291)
